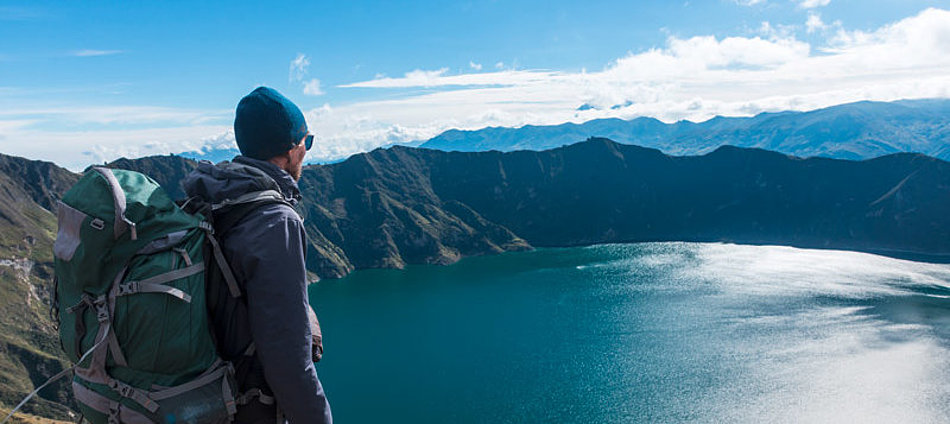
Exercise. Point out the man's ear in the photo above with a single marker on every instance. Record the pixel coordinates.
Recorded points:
(281, 159)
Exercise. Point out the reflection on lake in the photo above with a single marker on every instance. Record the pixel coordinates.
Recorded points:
(658, 332)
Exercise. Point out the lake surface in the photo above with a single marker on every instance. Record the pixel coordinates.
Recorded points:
(654, 332)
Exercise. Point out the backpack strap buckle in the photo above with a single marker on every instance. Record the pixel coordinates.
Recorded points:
(130, 392)
(113, 417)
(252, 394)
(102, 309)
(127, 288)
(122, 389)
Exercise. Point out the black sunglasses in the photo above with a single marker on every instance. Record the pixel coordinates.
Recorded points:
(308, 141)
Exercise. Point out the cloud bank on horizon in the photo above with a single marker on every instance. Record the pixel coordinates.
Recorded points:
(774, 67)
(693, 78)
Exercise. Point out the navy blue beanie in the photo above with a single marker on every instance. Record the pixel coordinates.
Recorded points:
(267, 124)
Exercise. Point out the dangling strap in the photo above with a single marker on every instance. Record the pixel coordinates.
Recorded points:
(221, 261)
(58, 376)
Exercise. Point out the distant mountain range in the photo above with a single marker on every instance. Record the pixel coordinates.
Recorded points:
(397, 206)
(861, 130)
(213, 154)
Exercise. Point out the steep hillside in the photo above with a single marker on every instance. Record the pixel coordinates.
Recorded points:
(379, 210)
(29, 346)
(601, 191)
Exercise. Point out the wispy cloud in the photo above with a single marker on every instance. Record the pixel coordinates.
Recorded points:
(86, 116)
(475, 66)
(810, 4)
(438, 78)
(312, 88)
(299, 68)
(416, 78)
(749, 2)
(11, 13)
(814, 23)
(93, 53)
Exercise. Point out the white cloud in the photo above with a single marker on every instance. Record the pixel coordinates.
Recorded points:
(685, 78)
(500, 65)
(75, 137)
(776, 32)
(87, 116)
(92, 53)
(438, 78)
(475, 66)
(76, 150)
(416, 78)
(298, 68)
(810, 4)
(814, 23)
(749, 2)
(312, 88)
(688, 78)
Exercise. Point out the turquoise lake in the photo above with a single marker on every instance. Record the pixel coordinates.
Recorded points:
(628, 333)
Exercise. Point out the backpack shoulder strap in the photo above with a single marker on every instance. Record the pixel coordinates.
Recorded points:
(226, 216)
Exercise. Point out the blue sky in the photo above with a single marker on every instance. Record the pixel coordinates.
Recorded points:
(83, 82)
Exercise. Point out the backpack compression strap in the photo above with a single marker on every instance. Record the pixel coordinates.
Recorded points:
(121, 222)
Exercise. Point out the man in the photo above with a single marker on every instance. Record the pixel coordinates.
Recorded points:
(265, 249)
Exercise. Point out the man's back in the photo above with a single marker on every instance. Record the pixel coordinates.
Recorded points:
(265, 250)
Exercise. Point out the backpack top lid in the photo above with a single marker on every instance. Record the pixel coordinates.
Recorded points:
(105, 219)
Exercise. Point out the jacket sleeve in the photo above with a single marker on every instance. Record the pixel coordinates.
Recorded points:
(271, 246)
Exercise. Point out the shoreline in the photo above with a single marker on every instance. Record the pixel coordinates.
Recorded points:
(905, 255)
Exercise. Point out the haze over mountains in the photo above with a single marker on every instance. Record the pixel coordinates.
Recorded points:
(861, 130)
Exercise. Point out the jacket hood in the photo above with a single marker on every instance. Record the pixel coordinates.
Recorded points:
(216, 183)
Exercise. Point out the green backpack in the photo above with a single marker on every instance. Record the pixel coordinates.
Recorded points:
(132, 313)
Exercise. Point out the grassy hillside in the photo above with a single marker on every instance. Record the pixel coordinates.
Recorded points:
(29, 345)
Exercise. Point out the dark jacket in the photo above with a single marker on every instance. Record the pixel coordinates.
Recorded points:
(266, 252)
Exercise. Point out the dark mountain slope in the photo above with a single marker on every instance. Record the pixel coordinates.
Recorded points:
(379, 210)
(165, 170)
(43, 182)
(601, 191)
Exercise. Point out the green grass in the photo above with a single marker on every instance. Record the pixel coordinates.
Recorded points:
(29, 343)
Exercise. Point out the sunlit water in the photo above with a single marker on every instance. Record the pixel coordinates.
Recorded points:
(657, 332)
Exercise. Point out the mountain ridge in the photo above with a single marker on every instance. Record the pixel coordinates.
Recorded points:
(859, 130)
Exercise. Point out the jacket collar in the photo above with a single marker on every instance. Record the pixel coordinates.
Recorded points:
(288, 187)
